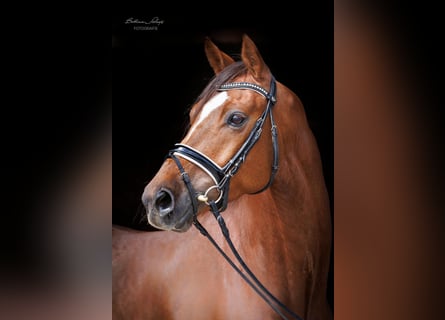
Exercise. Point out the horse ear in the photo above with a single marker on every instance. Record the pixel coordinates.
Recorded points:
(218, 60)
(253, 60)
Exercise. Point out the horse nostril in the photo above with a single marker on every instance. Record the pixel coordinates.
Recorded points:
(164, 202)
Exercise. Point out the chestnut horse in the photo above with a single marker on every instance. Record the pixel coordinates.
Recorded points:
(249, 132)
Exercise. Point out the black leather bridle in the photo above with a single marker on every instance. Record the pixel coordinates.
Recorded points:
(221, 177)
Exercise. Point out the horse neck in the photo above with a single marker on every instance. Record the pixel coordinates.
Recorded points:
(274, 219)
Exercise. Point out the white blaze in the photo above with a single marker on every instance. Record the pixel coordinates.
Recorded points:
(208, 108)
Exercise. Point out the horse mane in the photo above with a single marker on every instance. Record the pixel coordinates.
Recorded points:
(226, 75)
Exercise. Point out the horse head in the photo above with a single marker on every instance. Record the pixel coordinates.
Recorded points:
(226, 124)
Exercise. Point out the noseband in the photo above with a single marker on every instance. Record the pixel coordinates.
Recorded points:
(221, 175)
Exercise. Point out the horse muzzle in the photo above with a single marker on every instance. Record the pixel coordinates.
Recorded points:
(167, 210)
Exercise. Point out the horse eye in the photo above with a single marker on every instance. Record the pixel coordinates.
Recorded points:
(236, 119)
